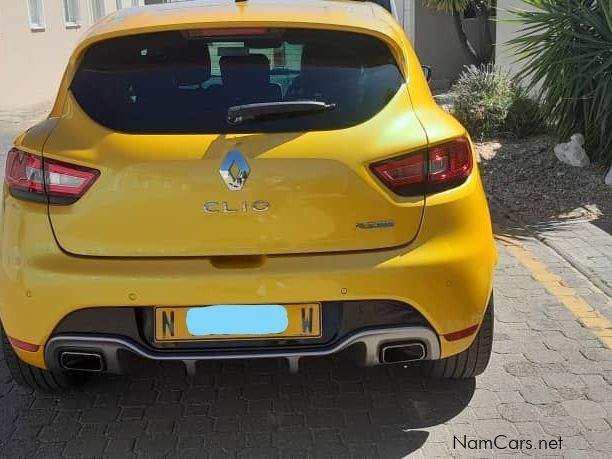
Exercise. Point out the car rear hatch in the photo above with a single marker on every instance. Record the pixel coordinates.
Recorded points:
(177, 179)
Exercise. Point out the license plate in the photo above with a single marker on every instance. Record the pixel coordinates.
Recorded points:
(238, 322)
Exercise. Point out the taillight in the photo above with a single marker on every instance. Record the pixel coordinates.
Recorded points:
(404, 175)
(444, 166)
(450, 164)
(31, 177)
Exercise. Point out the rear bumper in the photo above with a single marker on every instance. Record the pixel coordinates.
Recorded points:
(446, 274)
(365, 346)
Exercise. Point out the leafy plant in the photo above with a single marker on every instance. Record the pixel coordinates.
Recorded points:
(565, 48)
(457, 8)
(489, 103)
(483, 96)
(525, 117)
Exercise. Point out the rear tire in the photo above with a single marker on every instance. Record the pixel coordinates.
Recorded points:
(471, 362)
(36, 378)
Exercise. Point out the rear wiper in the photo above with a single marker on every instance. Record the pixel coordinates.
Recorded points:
(239, 114)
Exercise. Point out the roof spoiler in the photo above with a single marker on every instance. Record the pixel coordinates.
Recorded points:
(389, 5)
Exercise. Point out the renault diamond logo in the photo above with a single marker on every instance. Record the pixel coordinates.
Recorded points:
(234, 170)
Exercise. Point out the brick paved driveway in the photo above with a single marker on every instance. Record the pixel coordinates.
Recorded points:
(549, 378)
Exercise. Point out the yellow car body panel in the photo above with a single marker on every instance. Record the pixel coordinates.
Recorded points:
(306, 178)
(440, 263)
(445, 275)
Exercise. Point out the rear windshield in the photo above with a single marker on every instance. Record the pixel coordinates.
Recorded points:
(185, 81)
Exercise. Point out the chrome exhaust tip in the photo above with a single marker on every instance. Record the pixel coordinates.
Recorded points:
(402, 352)
(91, 362)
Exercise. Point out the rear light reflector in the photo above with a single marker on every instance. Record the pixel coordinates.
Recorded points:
(456, 336)
(31, 177)
(24, 345)
(444, 166)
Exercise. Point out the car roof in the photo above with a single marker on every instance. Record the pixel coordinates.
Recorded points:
(352, 14)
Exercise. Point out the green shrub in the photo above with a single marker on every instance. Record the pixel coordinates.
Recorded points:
(525, 117)
(565, 48)
(489, 103)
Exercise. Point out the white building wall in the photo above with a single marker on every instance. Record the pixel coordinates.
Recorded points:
(506, 31)
(405, 12)
(32, 61)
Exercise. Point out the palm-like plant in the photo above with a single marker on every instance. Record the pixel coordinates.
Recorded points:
(566, 51)
(456, 8)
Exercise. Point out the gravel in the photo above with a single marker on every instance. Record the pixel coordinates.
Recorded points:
(526, 178)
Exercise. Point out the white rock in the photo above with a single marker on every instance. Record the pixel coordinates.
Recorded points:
(609, 177)
(573, 152)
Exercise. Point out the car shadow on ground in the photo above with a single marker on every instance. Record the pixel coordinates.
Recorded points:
(330, 408)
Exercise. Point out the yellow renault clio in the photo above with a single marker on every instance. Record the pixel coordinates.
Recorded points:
(231, 180)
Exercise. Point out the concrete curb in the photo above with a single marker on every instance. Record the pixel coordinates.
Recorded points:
(594, 276)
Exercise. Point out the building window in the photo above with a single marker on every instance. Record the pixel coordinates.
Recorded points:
(97, 9)
(36, 12)
(72, 13)
(126, 4)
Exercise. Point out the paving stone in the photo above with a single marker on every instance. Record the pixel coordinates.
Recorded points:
(543, 356)
(138, 398)
(263, 453)
(25, 432)
(164, 412)
(599, 393)
(597, 382)
(229, 407)
(226, 424)
(540, 395)
(100, 414)
(565, 426)
(159, 426)
(484, 398)
(599, 441)
(190, 443)
(18, 448)
(492, 427)
(91, 447)
(49, 450)
(194, 426)
(486, 412)
(92, 431)
(584, 409)
(597, 355)
(259, 422)
(530, 429)
(157, 444)
(517, 412)
(596, 424)
(119, 446)
(126, 429)
(563, 380)
(75, 402)
(59, 433)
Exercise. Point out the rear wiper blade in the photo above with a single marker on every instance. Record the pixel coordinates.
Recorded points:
(239, 114)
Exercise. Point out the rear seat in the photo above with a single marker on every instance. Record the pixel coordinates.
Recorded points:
(246, 79)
